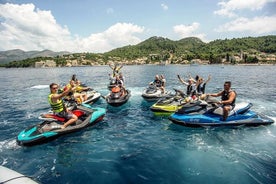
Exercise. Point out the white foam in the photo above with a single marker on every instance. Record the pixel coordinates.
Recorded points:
(40, 86)
(8, 144)
(274, 119)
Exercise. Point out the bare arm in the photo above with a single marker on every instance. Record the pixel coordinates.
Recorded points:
(182, 81)
(112, 67)
(119, 67)
(209, 78)
(55, 97)
(216, 94)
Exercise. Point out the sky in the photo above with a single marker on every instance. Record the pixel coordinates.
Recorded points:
(100, 26)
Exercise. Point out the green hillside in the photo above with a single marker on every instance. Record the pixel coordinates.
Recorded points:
(157, 49)
(194, 48)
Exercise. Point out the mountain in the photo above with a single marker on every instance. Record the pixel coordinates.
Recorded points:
(194, 45)
(156, 45)
(17, 55)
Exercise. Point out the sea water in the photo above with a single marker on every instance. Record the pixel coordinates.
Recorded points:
(133, 145)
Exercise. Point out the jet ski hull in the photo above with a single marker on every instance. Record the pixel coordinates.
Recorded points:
(168, 104)
(118, 101)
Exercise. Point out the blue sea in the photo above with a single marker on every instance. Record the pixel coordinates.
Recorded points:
(133, 145)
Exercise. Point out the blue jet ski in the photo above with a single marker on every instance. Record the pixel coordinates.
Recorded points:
(50, 127)
(204, 115)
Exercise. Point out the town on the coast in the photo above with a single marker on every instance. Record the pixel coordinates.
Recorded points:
(158, 51)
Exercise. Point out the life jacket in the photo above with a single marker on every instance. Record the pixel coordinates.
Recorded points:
(119, 82)
(190, 90)
(116, 89)
(56, 107)
(79, 89)
(225, 96)
(157, 83)
(68, 86)
(201, 88)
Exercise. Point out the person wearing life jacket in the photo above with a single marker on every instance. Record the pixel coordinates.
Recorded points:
(157, 82)
(59, 109)
(191, 88)
(200, 85)
(80, 97)
(119, 81)
(80, 86)
(228, 99)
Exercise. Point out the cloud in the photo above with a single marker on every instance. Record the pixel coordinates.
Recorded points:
(229, 7)
(24, 27)
(118, 35)
(27, 28)
(189, 31)
(164, 6)
(256, 25)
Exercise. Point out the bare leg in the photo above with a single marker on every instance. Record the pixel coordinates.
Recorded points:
(226, 110)
(84, 97)
(70, 121)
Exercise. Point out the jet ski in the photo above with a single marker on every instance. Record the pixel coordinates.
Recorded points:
(50, 127)
(118, 96)
(170, 103)
(153, 93)
(202, 114)
(92, 97)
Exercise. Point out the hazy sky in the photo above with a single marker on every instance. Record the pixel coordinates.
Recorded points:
(102, 25)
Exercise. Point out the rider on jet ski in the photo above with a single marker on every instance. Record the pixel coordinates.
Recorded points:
(228, 99)
(59, 109)
(159, 82)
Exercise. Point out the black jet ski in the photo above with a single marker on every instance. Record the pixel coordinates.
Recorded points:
(202, 114)
(118, 96)
(50, 127)
(153, 93)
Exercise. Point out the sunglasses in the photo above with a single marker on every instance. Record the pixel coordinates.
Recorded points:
(54, 87)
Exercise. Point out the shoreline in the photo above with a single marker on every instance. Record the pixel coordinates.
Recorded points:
(221, 64)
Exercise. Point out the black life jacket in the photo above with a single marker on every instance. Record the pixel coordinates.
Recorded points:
(190, 90)
(201, 88)
(157, 83)
(225, 96)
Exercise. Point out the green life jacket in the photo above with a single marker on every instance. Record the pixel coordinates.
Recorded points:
(56, 107)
